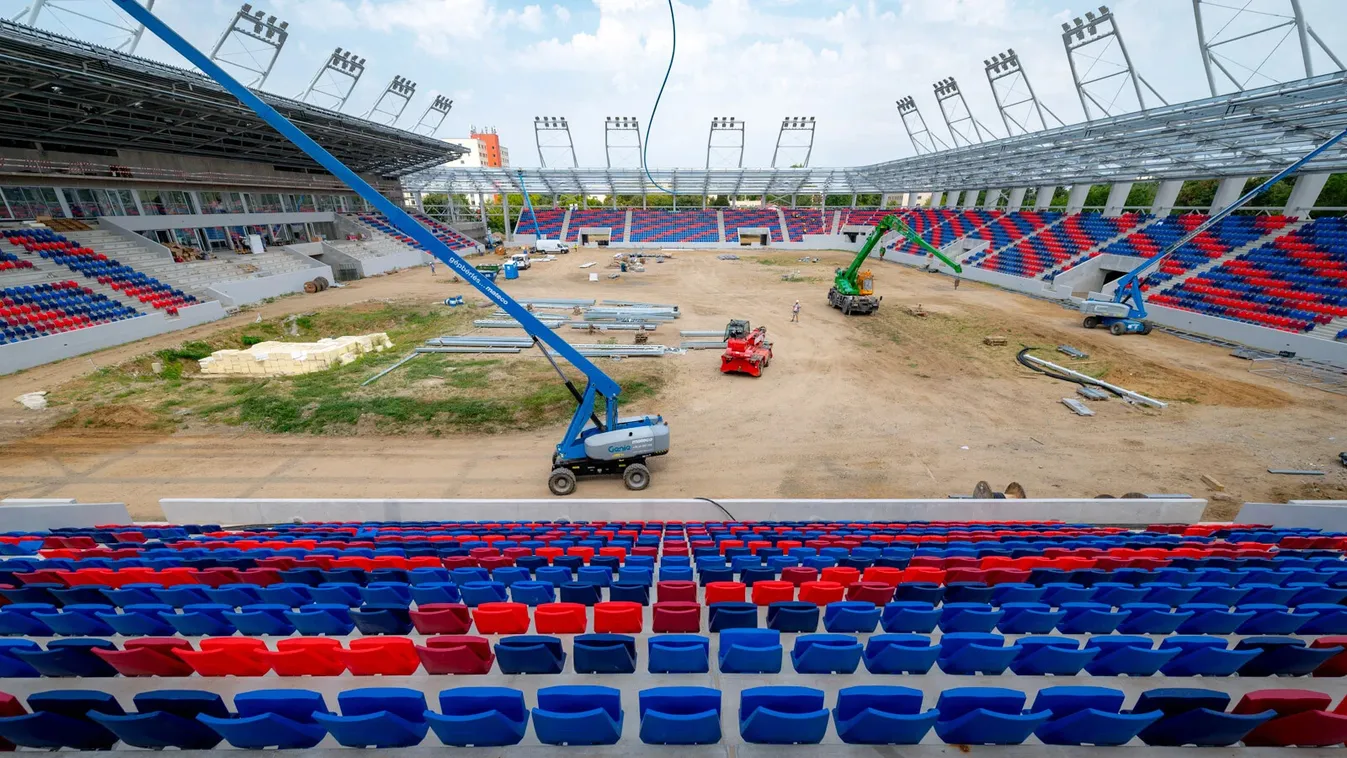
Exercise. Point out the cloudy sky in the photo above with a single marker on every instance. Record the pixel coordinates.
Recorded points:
(843, 61)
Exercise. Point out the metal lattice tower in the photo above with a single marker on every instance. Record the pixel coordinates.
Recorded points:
(1021, 112)
(731, 131)
(251, 44)
(1245, 44)
(400, 91)
(553, 134)
(99, 17)
(618, 133)
(797, 134)
(335, 81)
(923, 141)
(433, 118)
(1097, 43)
(963, 128)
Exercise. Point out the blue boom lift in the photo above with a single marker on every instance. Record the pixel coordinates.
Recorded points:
(594, 444)
(1126, 312)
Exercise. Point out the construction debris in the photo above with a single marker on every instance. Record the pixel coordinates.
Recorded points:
(700, 332)
(702, 345)
(1212, 483)
(808, 259)
(793, 276)
(291, 358)
(915, 310)
(1124, 393)
(728, 257)
(1295, 472)
(490, 344)
(994, 340)
(1077, 406)
(587, 265)
(1092, 393)
(1073, 352)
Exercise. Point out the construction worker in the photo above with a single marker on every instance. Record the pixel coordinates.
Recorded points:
(795, 312)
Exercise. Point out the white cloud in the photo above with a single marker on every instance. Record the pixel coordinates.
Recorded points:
(562, 13)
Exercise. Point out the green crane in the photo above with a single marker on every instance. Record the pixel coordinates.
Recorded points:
(853, 290)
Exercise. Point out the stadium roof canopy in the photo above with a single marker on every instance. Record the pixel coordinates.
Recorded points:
(1251, 133)
(59, 92)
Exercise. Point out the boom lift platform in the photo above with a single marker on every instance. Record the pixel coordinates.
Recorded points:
(853, 290)
(596, 443)
(1126, 312)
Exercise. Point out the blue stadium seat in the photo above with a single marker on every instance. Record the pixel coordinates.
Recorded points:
(851, 616)
(910, 616)
(782, 715)
(166, 718)
(234, 595)
(1028, 618)
(900, 654)
(476, 593)
(731, 615)
(10, 665)
(139, 620)
(1090, 618)
(388, 593)
(1060, 656)
(1194, 717)
(750, 651)
(382, 619)
(919, 592)
(578, 715)
(435, 592)
(792, 616)
(584, 593)
(1172, 594)
(1118, 594)
(985, 716)
(181, 596)
(826, 654)
(1272, 619)
(1088, 716)
(678, 654)
(333, 619)
(85, 594)
(1282, 656)
(201, 620)
(16, 620)
(76, 620)
(378, 717)
(632, 593)
(604, 654)
(680, 716)
(130, 594)
(68, 658)
(528, 592)
(1016, 592)
(1060, 593)
(271, 718)
(59, 719)
(1204, 656)
(975, 653)
(881, 715)
(1127, 654)
(1152, 618)
(530, 654)
(1330, 618)
(480, 717)
(1212, 618)
(968, 617)
(261, 619)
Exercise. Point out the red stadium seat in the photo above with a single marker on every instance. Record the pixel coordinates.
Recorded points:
(1303, 719)
(676, 590)
(441, 618)
(389, 656)
(770, 591)
(148, 656)
(821, 593)
(724, 592)
(618, 617)
(501, 618)
(871, 592)
(676, 617)
(560, 618)
(227, 656)
(306, 656)
(456, 655)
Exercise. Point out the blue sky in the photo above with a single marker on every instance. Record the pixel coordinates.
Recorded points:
(843, 61)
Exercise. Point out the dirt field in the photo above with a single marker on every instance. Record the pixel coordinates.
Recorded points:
(883, 406)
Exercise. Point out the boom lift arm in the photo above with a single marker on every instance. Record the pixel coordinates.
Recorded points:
(592, 445)
(1128, 306)
(851, 291)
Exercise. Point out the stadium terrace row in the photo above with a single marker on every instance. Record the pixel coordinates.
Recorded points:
(32, 311)
(55, 247)
(444, 233)
(581, 715)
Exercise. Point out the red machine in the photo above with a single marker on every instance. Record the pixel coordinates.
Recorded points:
(747, 350)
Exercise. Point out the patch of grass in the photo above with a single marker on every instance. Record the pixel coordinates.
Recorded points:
(477, 394)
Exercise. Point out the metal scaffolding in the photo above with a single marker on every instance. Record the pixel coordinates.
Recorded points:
(335, 80)
(251, 44)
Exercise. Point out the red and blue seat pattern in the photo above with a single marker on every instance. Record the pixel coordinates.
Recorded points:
(871, 216)
(1294, 283)
(454, 240)
(1012, 227)
(94, 265)
(12, 262)
(596, 217)
(711, 608)
(802, 221)
(37, 310)
(746, 218)
(675, 226)
(450, 236)
(1057, 247)
(549, 222)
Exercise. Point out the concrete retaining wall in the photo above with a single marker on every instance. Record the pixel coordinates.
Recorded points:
(244, 291)
(1329, 515)
(54, 347)
(1075, 510)
(39, 515)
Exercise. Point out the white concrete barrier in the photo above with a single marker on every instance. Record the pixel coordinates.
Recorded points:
(1074, 510)
(20, 515)
(1329, 515)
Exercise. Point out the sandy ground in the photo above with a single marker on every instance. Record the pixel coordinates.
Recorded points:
(883, 406)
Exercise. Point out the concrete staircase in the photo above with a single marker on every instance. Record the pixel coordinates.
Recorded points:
(44, 271)
(1084, 255)
(1328, 331)
(1215, 263)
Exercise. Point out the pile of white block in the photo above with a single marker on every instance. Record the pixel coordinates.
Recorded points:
(291, 358)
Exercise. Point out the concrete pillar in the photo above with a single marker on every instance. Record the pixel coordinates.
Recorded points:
(1016, 199)
(1305, 193)
(505, 211)
(1228, 191)
(970, 199)
(1075, 199)
(1165, 195)
(993, 197)
(61, 201)
(1044, 198)
(936, 199)
(1117, 198)
(481, 211)
(952, 198)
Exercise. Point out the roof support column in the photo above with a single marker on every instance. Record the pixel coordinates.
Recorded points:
(1075, 199)
(952, 198)
(992, 200)
(481, 207)
(1117, 198)
(1016, 199)
(1043, 200)
(935, 199)
(65, 207)
(1305, 193)
(1165, 195)
(1228, 191)
(970, 199)
(505, 211)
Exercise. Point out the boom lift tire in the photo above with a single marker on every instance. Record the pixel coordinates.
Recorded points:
(1118, 329)
(1091, 322)
(561, 482)
(636, 476)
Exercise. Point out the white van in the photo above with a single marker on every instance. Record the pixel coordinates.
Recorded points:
(551, 246)
(521, 261)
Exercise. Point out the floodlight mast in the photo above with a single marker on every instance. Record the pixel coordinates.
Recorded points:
(1004, 69)
(252, 24)
(615, 128)
(958, 118)
(1216, 48)
(340, 64)
(126, 42)
(548, 133)
(1098, 33)
(400, 90)
(802, 129)
(923, 141)
(731, 128)
(437, 111)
